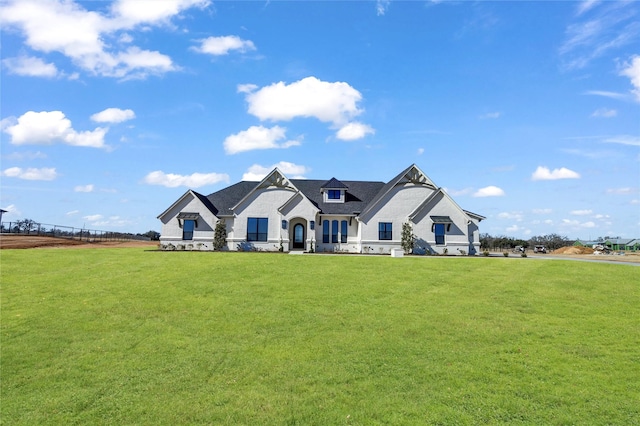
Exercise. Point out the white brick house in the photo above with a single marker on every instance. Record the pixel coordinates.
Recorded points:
(326, 216)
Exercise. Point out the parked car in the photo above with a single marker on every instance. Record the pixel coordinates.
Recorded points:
(539, 249)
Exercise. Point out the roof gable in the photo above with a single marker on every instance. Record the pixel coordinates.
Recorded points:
(333, 183)
(275, 178)
(204, 200)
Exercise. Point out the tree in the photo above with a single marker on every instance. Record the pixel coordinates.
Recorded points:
(408, 239)
(220, 235)
(26, 225)
(152, 235)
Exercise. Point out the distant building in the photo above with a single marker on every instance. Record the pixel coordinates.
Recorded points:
(326, 216)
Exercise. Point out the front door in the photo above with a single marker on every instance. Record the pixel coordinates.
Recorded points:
(298, 236)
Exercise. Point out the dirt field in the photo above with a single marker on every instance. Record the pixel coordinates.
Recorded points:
(10, 241)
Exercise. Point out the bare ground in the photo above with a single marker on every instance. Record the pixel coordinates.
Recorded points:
(12, 241)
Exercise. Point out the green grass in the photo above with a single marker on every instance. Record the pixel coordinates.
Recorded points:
(124, 336)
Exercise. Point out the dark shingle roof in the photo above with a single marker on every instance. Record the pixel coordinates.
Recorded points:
(334, 183)
(358, 195)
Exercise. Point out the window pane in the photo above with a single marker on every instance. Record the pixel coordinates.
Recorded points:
(187, 229)
(343, 233)
(334, 231)
(385, 231)
(439, 231)
(325, 231)
(334, 194)
(257, 229)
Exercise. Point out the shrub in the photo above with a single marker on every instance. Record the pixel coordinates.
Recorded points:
(506, 254)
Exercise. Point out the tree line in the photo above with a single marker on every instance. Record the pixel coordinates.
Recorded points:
(551, 242)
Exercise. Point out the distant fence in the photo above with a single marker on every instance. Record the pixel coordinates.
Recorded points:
(82, 234)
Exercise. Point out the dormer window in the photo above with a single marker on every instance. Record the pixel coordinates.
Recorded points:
(334, 191)
(334, 194)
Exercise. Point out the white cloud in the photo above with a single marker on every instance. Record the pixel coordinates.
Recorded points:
(291, 170)
(511, 216)
(353, 131)
(65, 27)
(575, 224)
(606, 94)
(623, 191)
(516, 228)
(586, 5)
(12, 210)
(632, 70)
(92, 217)
(48, 127)
(608, 28)
(382, 6)
(328, 102)
(194, 180)
(72, 212)
(257, 137)
(30, 67)
(489, 191)
(624, 140)
(31, 173)
(490, 115)
(581, 212)
(542, 211)
(223, 45)
(543, 173)
(27, 155)
(113, 115)
(420, 151)
(84, 188)
(110, 222)
(604, 113)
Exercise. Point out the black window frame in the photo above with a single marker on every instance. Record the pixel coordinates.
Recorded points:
(325, 231)
(254, 226)
(344, 229)
(385, 231)
(187, 235)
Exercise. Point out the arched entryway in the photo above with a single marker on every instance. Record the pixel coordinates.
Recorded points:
(298, 236)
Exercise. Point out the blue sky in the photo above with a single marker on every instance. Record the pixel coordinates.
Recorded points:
(526, 112)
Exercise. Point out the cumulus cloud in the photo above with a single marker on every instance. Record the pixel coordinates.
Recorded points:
(517, 216)
(329, 102)
(354, 131)
(604, 113)
(542, 211)
(30, 67)
(576, 224)
(93, 217)
(44, 173)
(84, 188)
(258, 137)
(113, 115)
(632, 70)
(65, 27)
(581, 212)
(218, 46)
(543, 173)
(489, 191)
(194, 180)
(48, 127)
(291, 170)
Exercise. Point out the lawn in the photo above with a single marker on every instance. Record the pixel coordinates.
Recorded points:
(127, 336)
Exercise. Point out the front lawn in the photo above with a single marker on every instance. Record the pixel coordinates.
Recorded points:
(126, 336)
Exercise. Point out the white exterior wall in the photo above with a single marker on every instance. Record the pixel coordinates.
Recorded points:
(351, 246)
(299, 209)
(456, 239)
(202, 234)
(260, 204)
(395, 207)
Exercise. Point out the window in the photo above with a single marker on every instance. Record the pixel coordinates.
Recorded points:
(325, 231)
(343, 231)
(257, 228)
(334, 194)
(312, 225)
(284, 224)
(439, 231)
(385, 231)
(334, 231)
(187, 229)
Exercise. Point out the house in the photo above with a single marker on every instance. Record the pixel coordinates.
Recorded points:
(285, 214)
